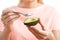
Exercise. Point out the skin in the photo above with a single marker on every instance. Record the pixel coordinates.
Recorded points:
(8, 19)
(44, 34)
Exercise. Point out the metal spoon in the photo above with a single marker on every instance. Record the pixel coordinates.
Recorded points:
(23, 14)
(26, 14)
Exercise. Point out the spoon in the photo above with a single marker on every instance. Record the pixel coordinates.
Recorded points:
(23, 14)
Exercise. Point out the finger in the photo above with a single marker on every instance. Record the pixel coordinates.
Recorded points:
(5, 16)
(13, 19)
(9, 14)
(34, 33)
(38, 34)
(41, 32)
(44, 27)
(5, 13)
(41, 24)
(10, 18)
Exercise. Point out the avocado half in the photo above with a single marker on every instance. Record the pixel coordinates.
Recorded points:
(31, 21)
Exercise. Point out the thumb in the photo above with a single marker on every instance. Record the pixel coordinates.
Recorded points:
(44, 27)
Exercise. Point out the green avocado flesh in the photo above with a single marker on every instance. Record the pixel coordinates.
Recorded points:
(31, 21)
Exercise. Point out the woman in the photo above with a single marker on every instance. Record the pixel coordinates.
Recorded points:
(46, 29)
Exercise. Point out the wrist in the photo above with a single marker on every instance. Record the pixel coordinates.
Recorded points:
(6, 30)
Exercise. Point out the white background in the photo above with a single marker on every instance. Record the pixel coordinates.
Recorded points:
(8, 3)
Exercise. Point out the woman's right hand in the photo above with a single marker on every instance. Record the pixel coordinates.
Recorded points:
(8, 17)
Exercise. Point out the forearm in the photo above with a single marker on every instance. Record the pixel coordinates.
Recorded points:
(5, 35)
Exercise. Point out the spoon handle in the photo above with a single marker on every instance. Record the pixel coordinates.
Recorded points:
(21, 13)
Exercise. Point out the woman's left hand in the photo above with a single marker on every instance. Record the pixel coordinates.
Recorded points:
(44, 34)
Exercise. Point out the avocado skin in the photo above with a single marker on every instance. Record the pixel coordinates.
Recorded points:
(31, 23)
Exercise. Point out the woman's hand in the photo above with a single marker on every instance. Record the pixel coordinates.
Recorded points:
(8, 17)
(44, 34)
